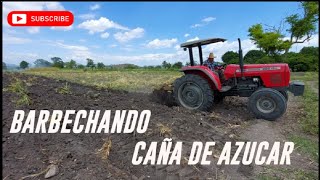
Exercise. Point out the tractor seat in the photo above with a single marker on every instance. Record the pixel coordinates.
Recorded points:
(225, 88)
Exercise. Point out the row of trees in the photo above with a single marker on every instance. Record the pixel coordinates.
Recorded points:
(72, 64)
(306, 60)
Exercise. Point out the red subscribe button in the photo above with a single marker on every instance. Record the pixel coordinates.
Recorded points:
(40, 18)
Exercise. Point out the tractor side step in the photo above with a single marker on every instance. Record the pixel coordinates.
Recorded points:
(225, 88)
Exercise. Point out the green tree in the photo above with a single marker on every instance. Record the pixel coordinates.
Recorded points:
(253, 56)
(166, 65)
(311, 55)
(270, 42)
(100, 65)
(57, 62)
(24, 64)
(302, 27)
(80, 66)
(71, 64)
(230, 57)
(41, 63)
(177, 65)
(4, 66)
(90, 63)
(310, 51)
(266, 60)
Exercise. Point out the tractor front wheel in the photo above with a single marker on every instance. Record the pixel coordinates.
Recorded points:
(193, 92)
(267, 104)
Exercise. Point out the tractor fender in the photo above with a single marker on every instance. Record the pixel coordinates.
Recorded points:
(204, 72)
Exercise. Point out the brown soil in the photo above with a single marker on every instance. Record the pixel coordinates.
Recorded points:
(76, 154)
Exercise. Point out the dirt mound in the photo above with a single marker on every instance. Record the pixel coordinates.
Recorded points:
(164, 95)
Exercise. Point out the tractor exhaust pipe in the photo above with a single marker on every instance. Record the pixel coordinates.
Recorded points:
(240, 58)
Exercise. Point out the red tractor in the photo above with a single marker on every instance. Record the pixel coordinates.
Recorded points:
(266, 85)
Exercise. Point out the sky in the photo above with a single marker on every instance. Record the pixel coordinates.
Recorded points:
(141, 33)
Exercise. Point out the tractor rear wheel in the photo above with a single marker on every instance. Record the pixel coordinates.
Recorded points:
(267, 104)
(285, 95)
(193, 92)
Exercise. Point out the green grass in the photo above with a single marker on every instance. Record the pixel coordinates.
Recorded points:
(278, 173)
(138, 80)
(19, 88)
(64, 90)
(310, 122)
(306, 145)
(305, 76)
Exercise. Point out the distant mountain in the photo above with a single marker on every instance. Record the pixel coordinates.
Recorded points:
(12, 66)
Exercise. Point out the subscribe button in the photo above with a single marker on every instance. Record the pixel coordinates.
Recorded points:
(40, 18)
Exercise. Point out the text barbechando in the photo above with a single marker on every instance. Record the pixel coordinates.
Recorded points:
(93, 121)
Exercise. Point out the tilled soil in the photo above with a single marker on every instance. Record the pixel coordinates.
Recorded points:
(26, 154)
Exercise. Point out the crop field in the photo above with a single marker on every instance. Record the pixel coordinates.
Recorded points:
(103, 155)
(136, 80)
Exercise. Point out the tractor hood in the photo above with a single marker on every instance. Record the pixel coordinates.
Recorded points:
(273, 75)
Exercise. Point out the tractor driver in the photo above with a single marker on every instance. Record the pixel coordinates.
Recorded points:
(210, 62)
(211, 65)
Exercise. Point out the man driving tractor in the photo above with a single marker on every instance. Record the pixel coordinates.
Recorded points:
(213, 66)
(210, 62)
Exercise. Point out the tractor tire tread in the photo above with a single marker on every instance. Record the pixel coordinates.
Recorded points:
(204, 85)
(276, 95)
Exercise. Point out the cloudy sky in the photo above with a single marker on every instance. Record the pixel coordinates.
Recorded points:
(142, 33)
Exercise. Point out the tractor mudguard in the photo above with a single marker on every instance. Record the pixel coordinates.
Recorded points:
(204, 72)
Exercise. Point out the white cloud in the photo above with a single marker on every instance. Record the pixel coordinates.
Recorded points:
(129, 35)
(71, 47)
(208, 19)
(15, 57)
(165, 43)
(197, 25)
(113, 45)
(10, 6)
(193, 39)
(187, 35)
(33, 30)
(87, 16)
(314, 41)
(204, 22)
(76, 52)
(221, 48)
(62, 28)
(155, 59)
(95, 7)
(8, 39)
(53, 6)
(104, 35)
(100, 25)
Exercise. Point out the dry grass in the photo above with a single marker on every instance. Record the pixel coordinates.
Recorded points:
(104, 151)
(64, 90)
(136, 80)
(164, 130)
(18, 87)
(36, 174)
